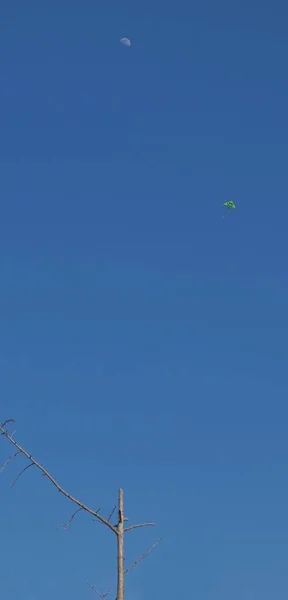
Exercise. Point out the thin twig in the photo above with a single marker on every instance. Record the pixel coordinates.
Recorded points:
(21, 473)
(53, 481)
(112, 513)
(137, 526)
(7, 462)
(66, 525)
(4, 425)
(102, 596)
(135, 563)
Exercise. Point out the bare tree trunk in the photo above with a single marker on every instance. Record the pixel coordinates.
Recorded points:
(120, 547)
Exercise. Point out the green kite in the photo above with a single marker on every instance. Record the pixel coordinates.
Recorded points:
(229, 204)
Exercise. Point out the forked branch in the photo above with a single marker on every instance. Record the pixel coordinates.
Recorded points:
(119, 529)
(44, 471)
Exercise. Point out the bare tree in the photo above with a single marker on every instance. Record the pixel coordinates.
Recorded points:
(119, 529)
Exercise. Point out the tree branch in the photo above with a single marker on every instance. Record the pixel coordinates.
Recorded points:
(102, 596)
(7, 462)
(135, 563)
(112, 513)
(21, 473)
(6, 423)
(137, 526)
(52, 480)
(66, 525)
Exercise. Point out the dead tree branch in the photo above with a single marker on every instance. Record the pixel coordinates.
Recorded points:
(53, 481)
(112, 513)
(8, 461)
(102, 596)
(21, 473)
(6, 423)
(142, 556)
(140, 525)
(66, 525)
(118, 529)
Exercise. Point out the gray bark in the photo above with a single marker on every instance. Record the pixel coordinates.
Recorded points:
(120, 547)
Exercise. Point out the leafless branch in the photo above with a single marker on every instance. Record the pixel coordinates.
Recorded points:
(3, 425)
(52, 480)
(102, 596)
(8, 461)
(112, 513)
(119, 528)
(140, 525)
(21, 473)
(66, 525)
(135, 563)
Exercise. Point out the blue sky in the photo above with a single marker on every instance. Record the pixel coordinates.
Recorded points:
(143, 337)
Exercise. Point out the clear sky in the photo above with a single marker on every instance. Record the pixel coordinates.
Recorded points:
(143, 337)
